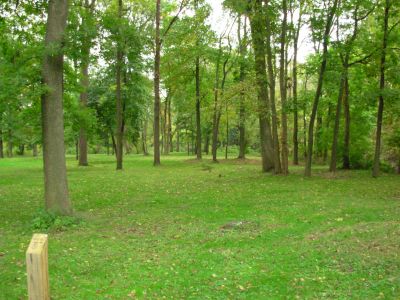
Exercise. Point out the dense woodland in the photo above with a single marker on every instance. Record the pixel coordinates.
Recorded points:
(154, 77)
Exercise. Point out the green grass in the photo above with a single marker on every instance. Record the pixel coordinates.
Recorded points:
(154, 233)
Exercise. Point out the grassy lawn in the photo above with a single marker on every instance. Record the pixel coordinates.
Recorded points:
(196, 230)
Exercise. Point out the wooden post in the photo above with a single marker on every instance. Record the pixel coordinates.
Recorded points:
(37, 268)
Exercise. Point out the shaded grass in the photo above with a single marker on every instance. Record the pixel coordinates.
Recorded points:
(159, 232)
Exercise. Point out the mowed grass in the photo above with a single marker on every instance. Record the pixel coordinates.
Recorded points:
(170, 232)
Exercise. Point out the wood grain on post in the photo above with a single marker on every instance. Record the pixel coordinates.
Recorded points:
(37, 268)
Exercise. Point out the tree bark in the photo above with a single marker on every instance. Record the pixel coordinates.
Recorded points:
(346, 147)
(376, 167)
(282, 84)
(242, 75)
(271, 83)
(83, 161)
(55, 173)
(85, 52)
(295, 104)
(10, 145)
(216, 112)
(332, 167)
(34, 150)
(257, 32)
(198, 123)
(119, 133)
(157, 59)
(318, 92)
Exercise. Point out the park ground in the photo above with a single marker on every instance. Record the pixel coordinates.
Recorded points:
(197, 230)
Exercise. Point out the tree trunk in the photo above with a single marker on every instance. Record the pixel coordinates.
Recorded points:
(178, 131)
(318, 92)
(216, 113)
(257, 32)
(144, 138)
(83, 102)
(207, 144)
(282, 84)
(119, 133)
(242, 75)
(156, 142)
(198, 124)
(83, 148)
(271, 78)
(227, 130)
(295, 104)
(170, 146)
(34, 150)
(55, 173)
(1, 144)
(10, 144)
(376, 167)
(332, 167)
(346, 147)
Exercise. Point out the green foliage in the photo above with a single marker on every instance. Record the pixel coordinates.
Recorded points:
(47, 221)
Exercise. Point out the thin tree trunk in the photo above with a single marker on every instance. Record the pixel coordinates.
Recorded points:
(119, 134)
(83, 149)
(198, 124)
(178, 131)
(77, 149)
(1, 144)
(332, 167)
(346, 147)
(376, 167)
(282, 83)
(83, 102)
(170, 146)
(34, 150)
(144, 137)
(227, 130)
(216, 112)
(242, 109)
(295, 104)
(156, 142)
(55, 173)
(10, 145)
(318, 92)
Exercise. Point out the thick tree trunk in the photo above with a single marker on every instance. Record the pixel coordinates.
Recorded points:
(282, 84)
(318, 92)
(55, 173)
(271, 78)
(257, 32)
(198, 123)
(156, 134)
(376, 167)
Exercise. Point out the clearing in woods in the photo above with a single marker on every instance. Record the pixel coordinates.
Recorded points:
(197, 230)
